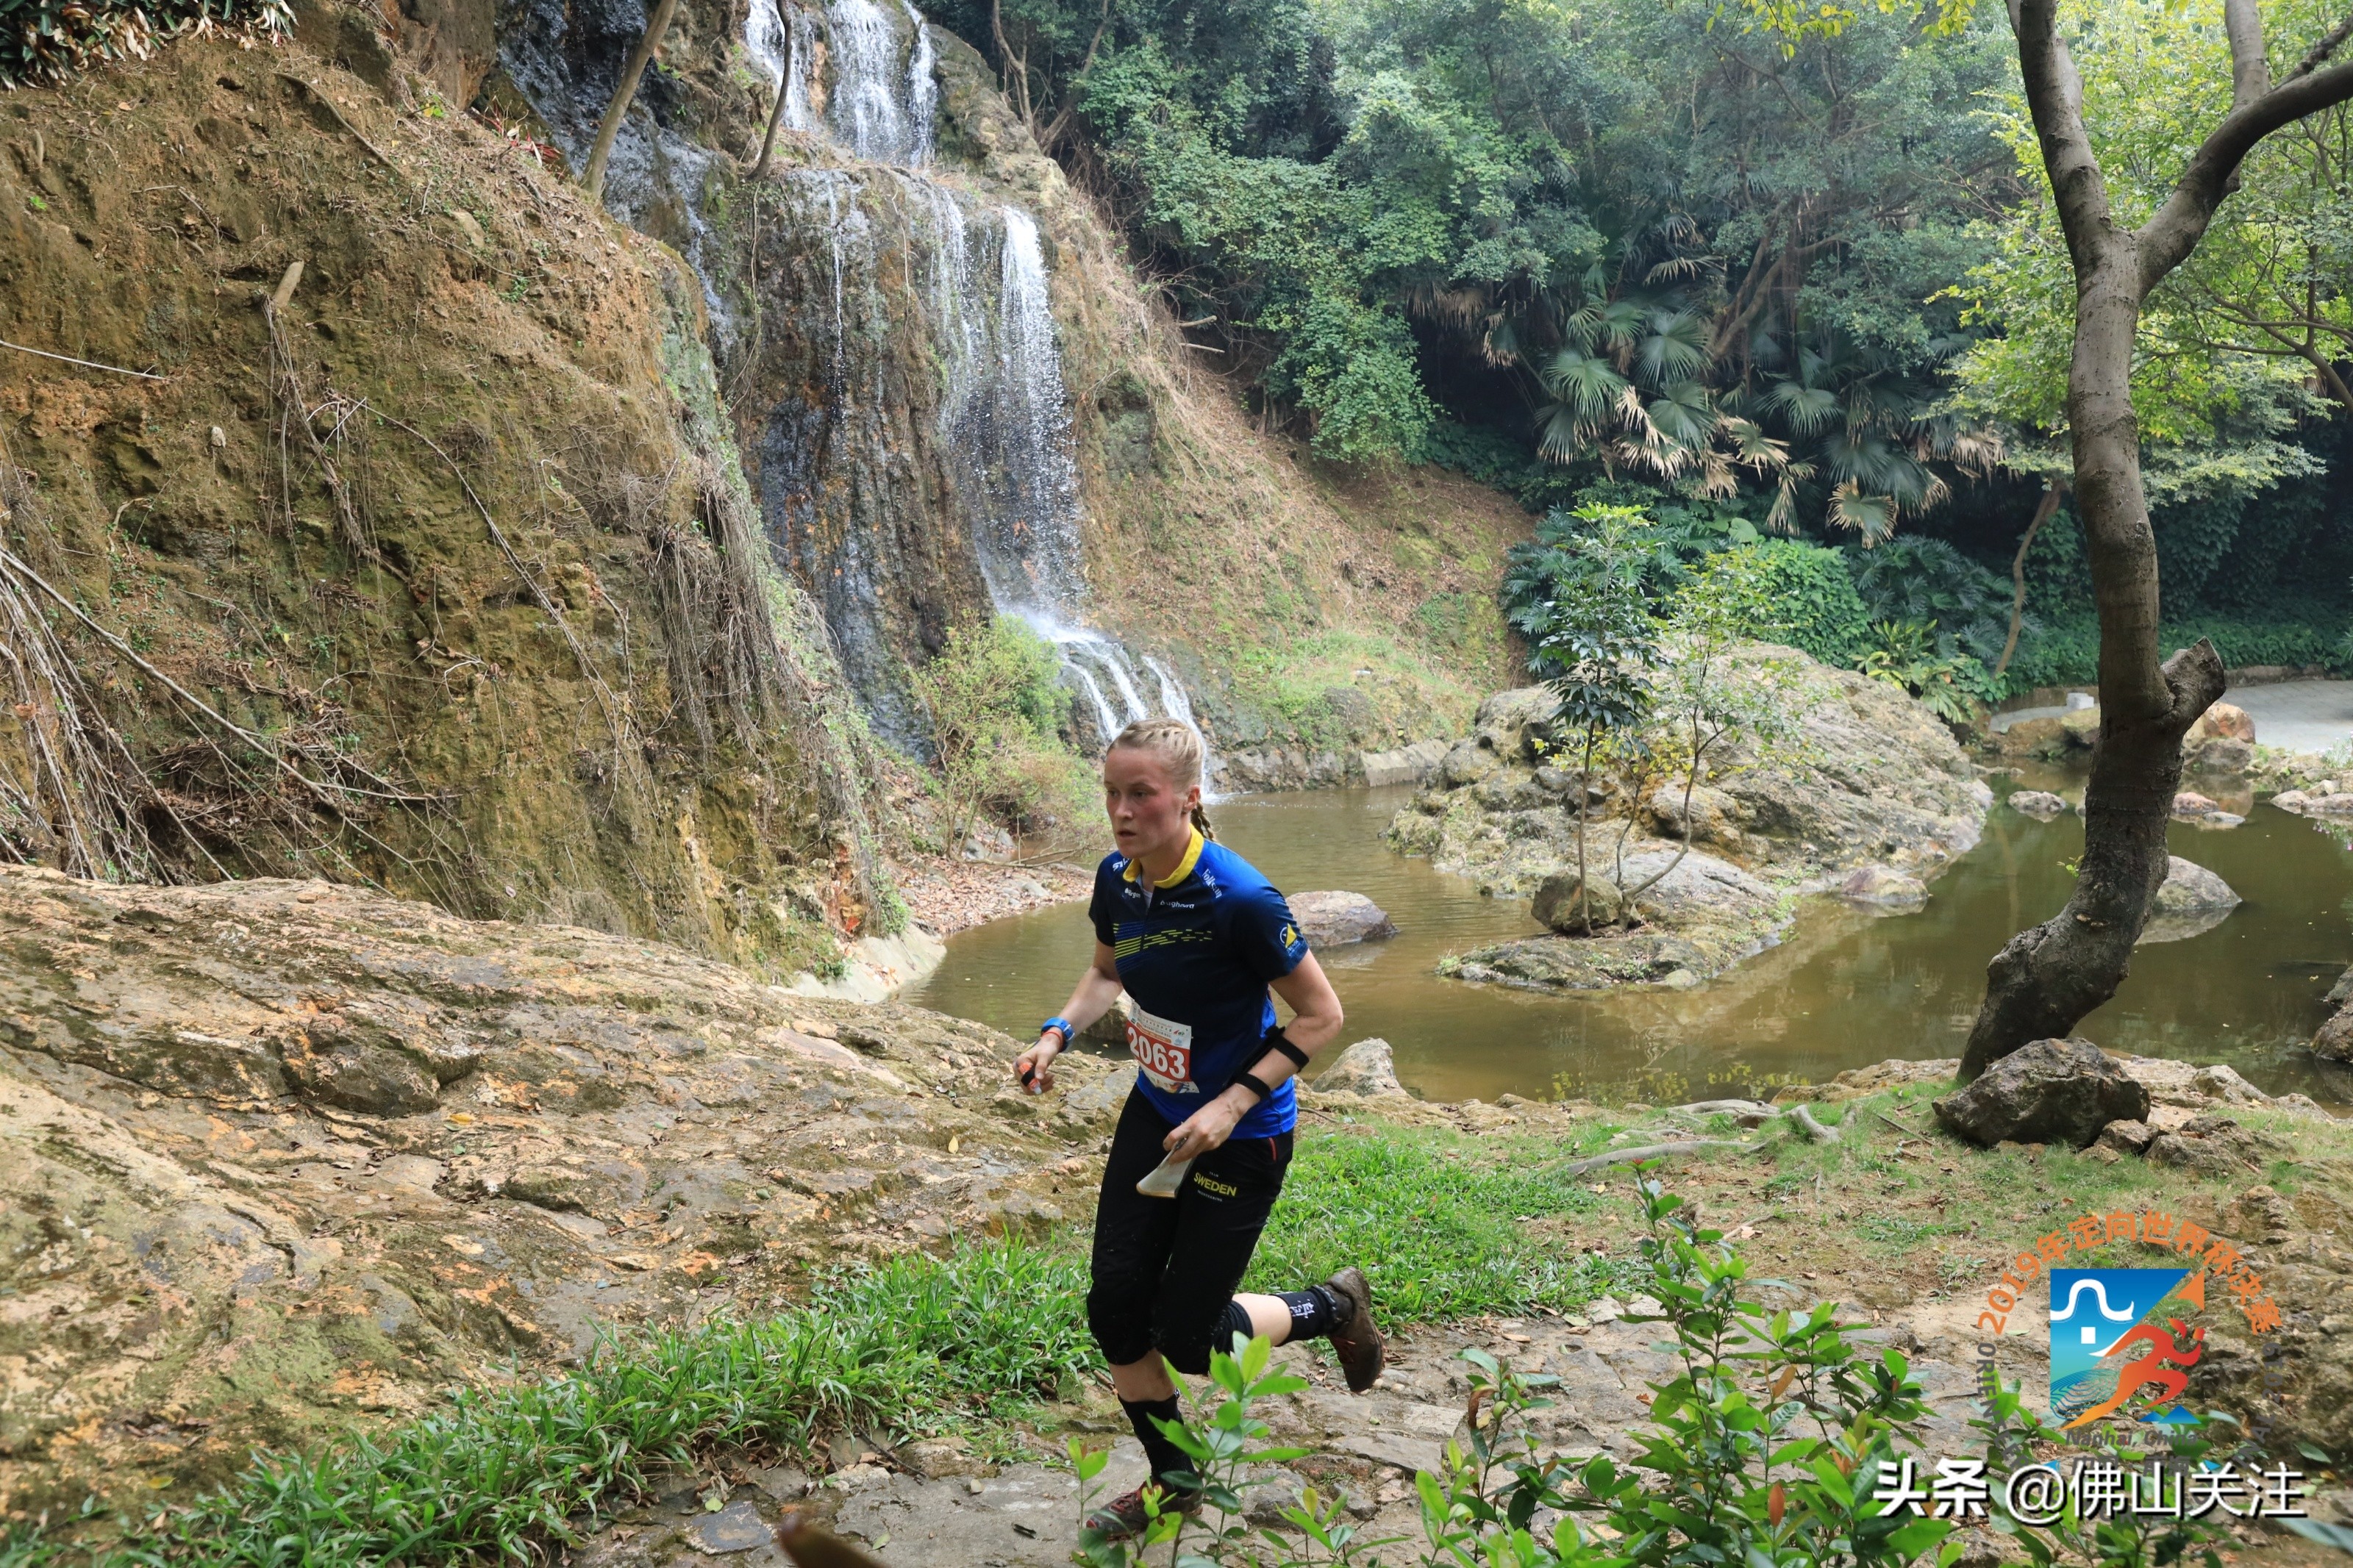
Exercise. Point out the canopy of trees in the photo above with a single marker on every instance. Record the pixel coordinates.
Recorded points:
(1807, 280)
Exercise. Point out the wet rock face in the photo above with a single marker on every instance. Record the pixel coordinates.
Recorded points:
(281, 1157)
(2051, 1092)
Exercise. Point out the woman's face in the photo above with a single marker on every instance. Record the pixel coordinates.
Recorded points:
(1148, 811)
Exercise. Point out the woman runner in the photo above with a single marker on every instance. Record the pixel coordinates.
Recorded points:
(1195, 937)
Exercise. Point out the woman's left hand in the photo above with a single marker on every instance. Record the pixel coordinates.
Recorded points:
(1205, 1130)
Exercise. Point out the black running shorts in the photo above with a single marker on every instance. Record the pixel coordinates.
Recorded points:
(1164, 1269)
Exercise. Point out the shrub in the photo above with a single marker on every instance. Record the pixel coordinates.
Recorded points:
(1799, 594)
(2067, 649)
(997, 715)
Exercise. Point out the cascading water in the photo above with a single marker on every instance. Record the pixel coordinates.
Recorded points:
(901, 340)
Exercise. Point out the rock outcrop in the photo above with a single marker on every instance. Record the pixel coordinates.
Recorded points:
(1366, 1067)
(2334, 1041)
(2051, 1092)
(280, 1157)
(1411, 764)
(1883, 887)
(1337, 918)
(1873, 778)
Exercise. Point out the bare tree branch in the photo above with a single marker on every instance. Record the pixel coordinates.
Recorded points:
(2250, 72)
(2319, 55)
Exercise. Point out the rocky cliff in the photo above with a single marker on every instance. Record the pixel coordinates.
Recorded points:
(555, 560)
(405, 541)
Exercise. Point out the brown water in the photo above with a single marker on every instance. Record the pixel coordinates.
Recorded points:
(1844, 990)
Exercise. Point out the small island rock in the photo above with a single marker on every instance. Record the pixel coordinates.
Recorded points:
(1884, 886)
(2037, 804)
(1333, 918)
(1557, 903)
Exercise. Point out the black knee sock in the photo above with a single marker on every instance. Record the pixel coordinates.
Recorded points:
(1314, 1312)
(1165, 1456)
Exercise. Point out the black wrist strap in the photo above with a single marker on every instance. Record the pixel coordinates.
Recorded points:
(1276, 1041)
(1255, 1084)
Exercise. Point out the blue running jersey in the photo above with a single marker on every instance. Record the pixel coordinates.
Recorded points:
(1195, 954)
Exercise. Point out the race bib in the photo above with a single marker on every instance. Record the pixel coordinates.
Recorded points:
(1164, 1050)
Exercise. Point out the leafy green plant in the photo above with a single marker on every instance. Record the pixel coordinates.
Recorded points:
(1762, 1450)
(997, 714)
(1596, 658)
(1906, 655)
(1780, 590)
(1223, 1448)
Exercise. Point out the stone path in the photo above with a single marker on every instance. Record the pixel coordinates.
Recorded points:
(2300, 715)
(934, 1505)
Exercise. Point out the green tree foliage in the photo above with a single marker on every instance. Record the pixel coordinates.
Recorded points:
(1356, 203)
(1597, 655)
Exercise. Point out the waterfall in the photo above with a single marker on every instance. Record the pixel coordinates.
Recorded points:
(876, 111)
(1002, 419)
(771, 44)
(922, 89)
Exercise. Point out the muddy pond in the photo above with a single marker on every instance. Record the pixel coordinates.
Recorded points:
(1843, 989)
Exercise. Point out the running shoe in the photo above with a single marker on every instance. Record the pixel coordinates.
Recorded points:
(1357, 1343)
(1125, 1515)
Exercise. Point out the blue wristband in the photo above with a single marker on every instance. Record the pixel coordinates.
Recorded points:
(1058, 1023)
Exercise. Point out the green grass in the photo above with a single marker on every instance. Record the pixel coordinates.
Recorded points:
(913, 1345)
(973, 1339)
(1430, 1218)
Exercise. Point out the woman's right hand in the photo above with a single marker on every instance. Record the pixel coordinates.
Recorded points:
(1033, 1068)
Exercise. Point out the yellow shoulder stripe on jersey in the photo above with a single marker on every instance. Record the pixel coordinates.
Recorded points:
(1184, 868)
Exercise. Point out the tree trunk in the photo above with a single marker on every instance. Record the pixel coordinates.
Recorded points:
(2046, 978)
(626, 90)
(776, 112)
(2043, 511)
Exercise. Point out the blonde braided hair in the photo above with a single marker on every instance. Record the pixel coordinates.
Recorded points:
(1178, 746)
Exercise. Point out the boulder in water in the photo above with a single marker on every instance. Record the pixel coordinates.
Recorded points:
(2192, 902)
(2221, 755)
(2037, 804)
(2334, 1041)
(1337, 919)
(1367, 1067)
(1563, 902)
(2051, 1091)
(1883, 887)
